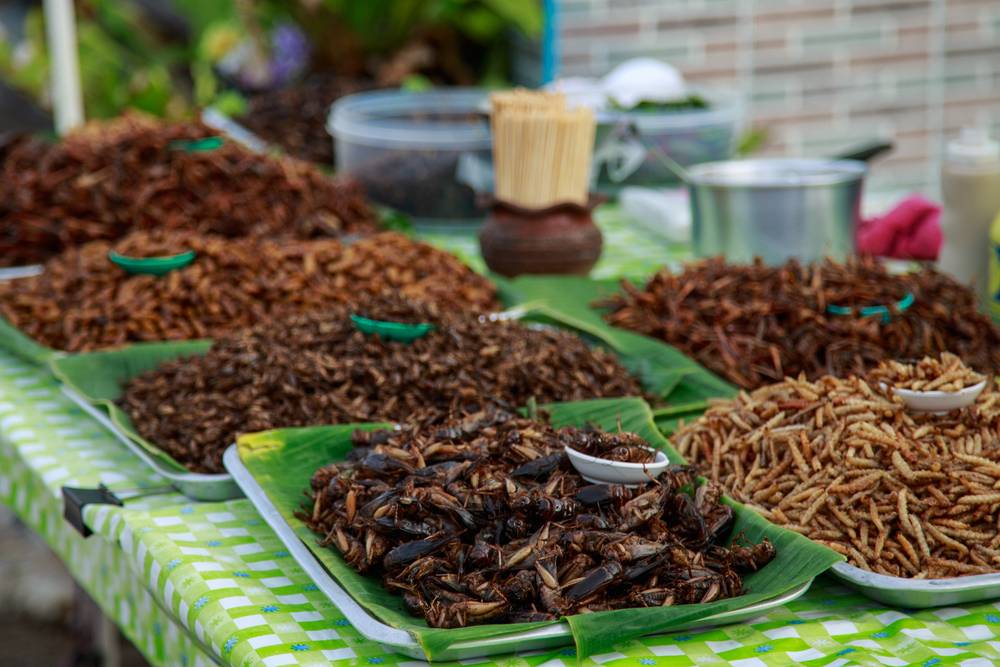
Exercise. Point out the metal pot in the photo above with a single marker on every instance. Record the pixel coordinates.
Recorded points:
(775, 209)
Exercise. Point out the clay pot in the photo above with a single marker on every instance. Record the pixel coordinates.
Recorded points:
(561, 239)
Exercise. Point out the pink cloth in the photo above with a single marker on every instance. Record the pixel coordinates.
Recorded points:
(911, 230)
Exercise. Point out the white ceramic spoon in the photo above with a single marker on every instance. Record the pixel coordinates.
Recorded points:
(604, 471)
(940, 401)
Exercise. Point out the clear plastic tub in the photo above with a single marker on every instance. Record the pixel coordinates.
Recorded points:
(688, 136)
(426, 154)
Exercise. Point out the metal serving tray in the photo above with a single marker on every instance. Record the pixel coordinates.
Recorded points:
(919, 593)
(194, 485)
(401, 641)
(26, 271)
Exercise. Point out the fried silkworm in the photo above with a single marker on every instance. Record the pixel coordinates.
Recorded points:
(897, 493)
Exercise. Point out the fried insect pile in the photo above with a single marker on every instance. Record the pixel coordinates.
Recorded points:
(82, 301)
(483, 520)
(112, 177)
(899, 493)
(319, 369)
(626, 447)
(295, 117)
(755, 324)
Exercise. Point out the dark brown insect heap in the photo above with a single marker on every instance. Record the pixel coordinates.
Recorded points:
(755, 324)
(114, 177)
(318, 369)
(627, 447)
(483, 520)
(82, 301)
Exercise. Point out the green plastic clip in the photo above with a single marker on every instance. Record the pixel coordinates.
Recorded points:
(197, 145)
(154, 266)
(397, 331)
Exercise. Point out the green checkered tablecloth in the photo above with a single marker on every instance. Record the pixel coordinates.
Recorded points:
(209, 583)
(197, 583)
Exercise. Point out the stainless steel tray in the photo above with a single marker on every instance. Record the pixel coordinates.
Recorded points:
(919, 593)
(28, 270)
(197, 486)
(394, 639)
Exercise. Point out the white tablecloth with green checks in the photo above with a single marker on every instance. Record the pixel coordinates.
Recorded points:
(192, 583)
(201, 583)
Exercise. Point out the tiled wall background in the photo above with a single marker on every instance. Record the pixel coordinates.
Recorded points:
(818, 75)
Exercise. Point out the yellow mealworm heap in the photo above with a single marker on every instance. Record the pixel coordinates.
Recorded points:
(897, 492)
(929, 374)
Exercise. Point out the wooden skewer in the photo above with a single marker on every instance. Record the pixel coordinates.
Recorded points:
(541, 150)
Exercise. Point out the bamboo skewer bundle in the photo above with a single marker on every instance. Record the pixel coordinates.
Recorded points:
(541, 150)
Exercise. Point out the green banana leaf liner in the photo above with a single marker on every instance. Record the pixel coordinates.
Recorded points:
(681, 385)
(18, 343)
(99, 377)
(283, 461)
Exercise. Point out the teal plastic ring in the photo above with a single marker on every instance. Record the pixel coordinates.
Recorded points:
(884, 311)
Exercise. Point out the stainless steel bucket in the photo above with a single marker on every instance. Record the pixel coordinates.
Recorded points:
(775, 209)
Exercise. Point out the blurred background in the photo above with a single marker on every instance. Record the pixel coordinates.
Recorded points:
(802, 77)
(812, 76)
(817, 75)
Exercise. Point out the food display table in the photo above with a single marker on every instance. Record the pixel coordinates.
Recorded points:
(209, 583)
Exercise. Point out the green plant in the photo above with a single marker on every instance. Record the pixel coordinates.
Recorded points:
(128, 61)
(751, 141)
(384, 25)
(124, 60)
(381, 28)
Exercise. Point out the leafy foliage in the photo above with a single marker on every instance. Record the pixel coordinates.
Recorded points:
(132, 58)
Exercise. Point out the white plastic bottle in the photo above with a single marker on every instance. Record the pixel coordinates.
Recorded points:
(970, 185)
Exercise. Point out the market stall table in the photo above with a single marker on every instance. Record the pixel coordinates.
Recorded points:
(197, 583)
(210, 583)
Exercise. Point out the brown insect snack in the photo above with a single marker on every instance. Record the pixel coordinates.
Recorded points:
(113, 177)
(755, 324)
(82, 301)
(946, 373)
(319, 369)
(899, 493)
(483, 520)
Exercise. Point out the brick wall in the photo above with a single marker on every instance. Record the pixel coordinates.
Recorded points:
(818, 75)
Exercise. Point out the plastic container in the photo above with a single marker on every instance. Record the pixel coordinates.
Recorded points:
(425, 154)
(688, 136)
(970, 188)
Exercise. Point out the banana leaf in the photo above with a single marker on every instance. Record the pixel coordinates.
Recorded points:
(99, 377)
(283, 461)
(681, 386)
(15, 341)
